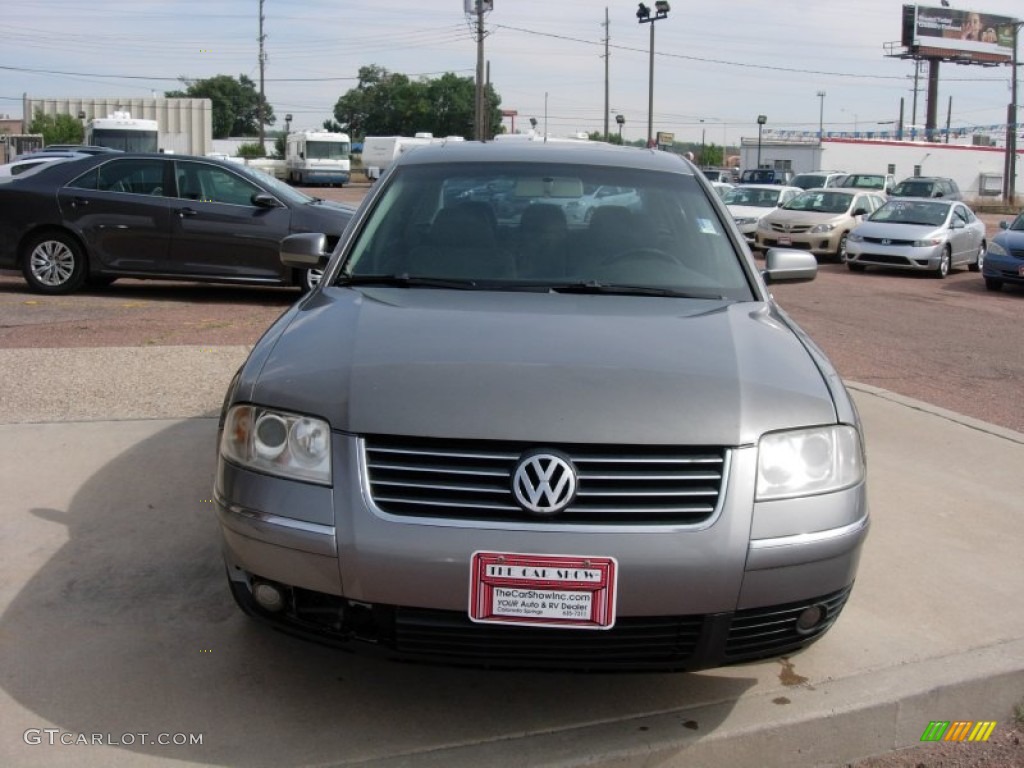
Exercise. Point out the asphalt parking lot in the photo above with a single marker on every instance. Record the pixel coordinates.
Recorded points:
(116, 621)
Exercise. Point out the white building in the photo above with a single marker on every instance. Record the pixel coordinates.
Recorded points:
(977, 170)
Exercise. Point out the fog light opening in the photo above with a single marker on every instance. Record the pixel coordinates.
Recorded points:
(268, 596)
(811, 619)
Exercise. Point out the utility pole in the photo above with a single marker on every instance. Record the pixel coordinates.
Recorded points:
(480, 130)
(607, 32)
(263, 60)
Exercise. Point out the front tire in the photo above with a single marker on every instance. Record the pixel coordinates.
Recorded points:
(308, 279)
(979, 260)
(841, 250)
(53, 263)
(944, 263)
(854, 266)
(993, 284)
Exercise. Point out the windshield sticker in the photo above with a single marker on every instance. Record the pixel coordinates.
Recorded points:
(707, 227)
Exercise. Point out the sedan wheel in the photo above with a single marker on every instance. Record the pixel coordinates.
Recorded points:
(979, 261)
(944, 261)
(993, 284)
(841, 251)
(53, 263)
(310, 279)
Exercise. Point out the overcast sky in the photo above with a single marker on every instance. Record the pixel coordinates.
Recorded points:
(720, 62)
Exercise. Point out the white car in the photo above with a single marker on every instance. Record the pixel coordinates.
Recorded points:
(749, 202)
(18, 167)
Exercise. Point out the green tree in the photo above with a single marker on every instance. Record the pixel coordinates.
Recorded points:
(235, 104)
(713, 155)
(251, 150)
(57, 129)
(385, 103)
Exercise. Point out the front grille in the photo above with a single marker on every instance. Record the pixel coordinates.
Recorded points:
(886, 258)
(472, 480)
(449, 635)
(766, 632)
(889, 241)
(688, 642)
(789, 228)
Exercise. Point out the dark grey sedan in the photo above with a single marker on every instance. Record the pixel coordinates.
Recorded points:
(92, 220)
(527, 440)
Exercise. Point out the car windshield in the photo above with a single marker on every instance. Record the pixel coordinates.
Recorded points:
(758, 198)
(820, 201)
(1018, 224)
(809, 180)
(913, 189)
(907, 212)
(275, 185)
(864, 181)
(547, 227)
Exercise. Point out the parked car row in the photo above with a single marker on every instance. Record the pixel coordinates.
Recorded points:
(94, 218)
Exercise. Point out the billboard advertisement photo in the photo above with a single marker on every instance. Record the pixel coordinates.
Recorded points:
(982, 37)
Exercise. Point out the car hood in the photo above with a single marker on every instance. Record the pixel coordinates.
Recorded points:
(325, 216)
(539, 367)
(890, 231)
(749, 211)
(1010, 239)
(783, 216)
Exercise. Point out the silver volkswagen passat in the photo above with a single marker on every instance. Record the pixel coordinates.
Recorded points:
(524, 440)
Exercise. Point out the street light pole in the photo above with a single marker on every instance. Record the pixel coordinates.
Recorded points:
(821, 116)
(643, 15)
(761, 120)
(1010, 167)
(702, 136)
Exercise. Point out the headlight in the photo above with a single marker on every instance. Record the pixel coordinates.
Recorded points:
(808, 461)
(279, 443)
(853, 237)
(817, 230)
(929, 243)
(995, 249)
(745, 222)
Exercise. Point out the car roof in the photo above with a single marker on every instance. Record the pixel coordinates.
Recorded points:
(571, 152)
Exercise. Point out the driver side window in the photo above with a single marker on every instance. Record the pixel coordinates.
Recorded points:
(210, 184)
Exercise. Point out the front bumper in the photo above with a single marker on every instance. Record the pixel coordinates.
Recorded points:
(688, 597)
(895, 257)
(821, 244)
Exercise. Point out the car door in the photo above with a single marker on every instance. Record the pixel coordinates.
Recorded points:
(218, 228)
(961, 235)
(121, 213)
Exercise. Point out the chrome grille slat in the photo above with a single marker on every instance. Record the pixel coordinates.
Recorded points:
(472, 480)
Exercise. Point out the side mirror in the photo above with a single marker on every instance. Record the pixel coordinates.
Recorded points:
(307, 250)
(1004, 225)
(862, 211)
(265, 200)
(785, 264)
(957, 224)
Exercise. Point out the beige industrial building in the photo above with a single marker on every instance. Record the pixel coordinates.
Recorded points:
(185, 125)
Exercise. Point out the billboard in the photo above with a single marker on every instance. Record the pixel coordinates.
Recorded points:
(970, 35)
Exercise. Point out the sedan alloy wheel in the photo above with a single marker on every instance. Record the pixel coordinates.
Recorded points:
(54, 264)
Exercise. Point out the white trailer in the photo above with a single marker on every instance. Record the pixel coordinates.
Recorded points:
(318, 157)
(120, 130)
(380, 151)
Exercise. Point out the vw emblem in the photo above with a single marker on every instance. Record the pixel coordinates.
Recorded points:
(886, 242)
(544, 482)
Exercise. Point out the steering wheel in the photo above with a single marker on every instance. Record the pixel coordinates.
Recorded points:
(640, 254)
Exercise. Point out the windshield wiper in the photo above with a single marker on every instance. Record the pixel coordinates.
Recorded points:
(406, 280)
(594, 287)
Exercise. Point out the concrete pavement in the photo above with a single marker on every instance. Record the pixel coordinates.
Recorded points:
(116, 621)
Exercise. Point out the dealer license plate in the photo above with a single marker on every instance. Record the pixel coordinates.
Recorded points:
(543, 590)
(785, 241)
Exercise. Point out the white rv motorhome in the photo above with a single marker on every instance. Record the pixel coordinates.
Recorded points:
(120, 130)
(318, 157)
